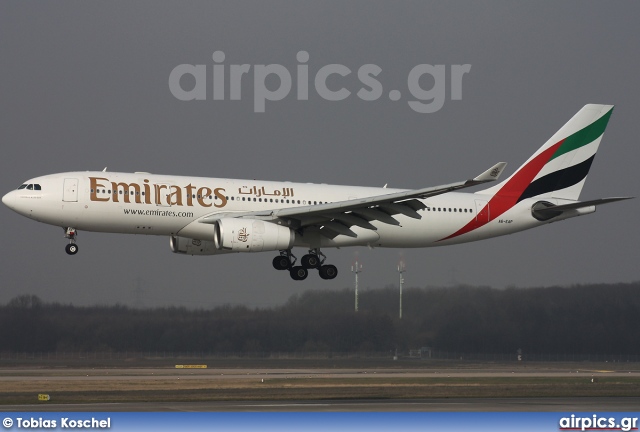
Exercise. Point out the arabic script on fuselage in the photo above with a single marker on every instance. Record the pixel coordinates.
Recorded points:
(259, 192)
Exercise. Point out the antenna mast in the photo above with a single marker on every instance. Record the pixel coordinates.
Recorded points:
(356, 268)
(401, 269)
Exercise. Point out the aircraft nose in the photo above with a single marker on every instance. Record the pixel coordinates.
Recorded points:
(8, 199)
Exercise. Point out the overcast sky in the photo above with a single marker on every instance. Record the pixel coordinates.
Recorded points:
(84, 85)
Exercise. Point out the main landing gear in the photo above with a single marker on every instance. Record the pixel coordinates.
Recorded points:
(313, 260)
(72, 247)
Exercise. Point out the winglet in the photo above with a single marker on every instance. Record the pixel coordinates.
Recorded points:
(491, 174)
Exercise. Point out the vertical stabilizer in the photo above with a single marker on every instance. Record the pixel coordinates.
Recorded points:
(559, 168)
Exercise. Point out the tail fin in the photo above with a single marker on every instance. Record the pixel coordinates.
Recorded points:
(559, 168)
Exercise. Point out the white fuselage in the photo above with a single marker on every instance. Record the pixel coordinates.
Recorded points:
(142, 203)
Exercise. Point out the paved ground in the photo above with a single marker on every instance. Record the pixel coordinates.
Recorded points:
(573, 405)
(28, 379)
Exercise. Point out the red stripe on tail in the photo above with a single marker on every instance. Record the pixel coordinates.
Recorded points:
(508, 195)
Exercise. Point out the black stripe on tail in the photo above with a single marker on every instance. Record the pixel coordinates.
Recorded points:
(558, 180)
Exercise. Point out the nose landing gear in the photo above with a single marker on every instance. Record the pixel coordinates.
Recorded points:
(313, 260)
(72, 247)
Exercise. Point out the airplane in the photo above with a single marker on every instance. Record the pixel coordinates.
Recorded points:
(211, 216)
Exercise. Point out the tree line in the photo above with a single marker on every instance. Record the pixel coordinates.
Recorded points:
(584, 319)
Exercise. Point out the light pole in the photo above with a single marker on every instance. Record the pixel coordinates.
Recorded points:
(401, 270)
(356, 268)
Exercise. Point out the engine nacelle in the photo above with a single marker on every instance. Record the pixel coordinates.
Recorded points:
(251, 235)
(184, 245)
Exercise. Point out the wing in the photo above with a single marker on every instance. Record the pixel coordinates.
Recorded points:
(337, 218)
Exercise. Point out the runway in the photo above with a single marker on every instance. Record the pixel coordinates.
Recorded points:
(574, 405)
(472, 388)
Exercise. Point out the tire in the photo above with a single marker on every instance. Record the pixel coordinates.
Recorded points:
(328, 272)
(281, 262)
(299, 273)
(310, 261)
(71, 248)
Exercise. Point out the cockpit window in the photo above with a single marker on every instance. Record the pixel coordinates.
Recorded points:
(33, 186)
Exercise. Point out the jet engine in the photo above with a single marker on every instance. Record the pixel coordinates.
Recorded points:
(184, 245)
(251, 235)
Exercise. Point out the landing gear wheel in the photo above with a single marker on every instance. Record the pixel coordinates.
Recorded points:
(281, 262)
(299, 273)
(310, 261)
(328, 271)
(71, 233)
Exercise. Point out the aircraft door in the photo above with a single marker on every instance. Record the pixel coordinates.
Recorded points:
(70, 190)
(482, 211)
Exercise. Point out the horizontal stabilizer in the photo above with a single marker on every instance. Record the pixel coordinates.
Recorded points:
(545, 211)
